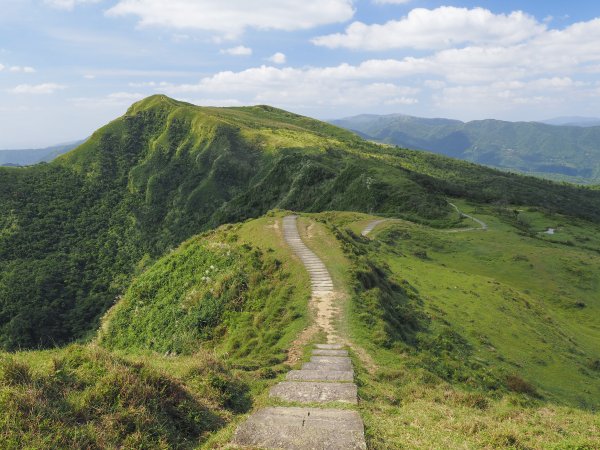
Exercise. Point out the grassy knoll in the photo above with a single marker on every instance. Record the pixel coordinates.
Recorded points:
(480, 339)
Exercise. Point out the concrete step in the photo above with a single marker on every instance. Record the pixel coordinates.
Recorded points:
(325, 352)
(342, 360)
(326, 366)
(302, 429)
(329, 346)
(320, 375)
(305, 392)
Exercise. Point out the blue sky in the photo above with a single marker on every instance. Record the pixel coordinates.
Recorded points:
(69, 66)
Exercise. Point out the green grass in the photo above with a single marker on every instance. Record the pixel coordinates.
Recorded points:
(85, 397)
(478, 338)
(187, 351)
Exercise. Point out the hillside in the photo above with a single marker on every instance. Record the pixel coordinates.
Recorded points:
(567, 152)
(461, 338)
(73, 232)
(34, 156)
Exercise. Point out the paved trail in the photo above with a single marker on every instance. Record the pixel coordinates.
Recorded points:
(327, 378)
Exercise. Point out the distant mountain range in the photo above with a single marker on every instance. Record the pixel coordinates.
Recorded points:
(551, 150)
(574, 121)
(29, 157)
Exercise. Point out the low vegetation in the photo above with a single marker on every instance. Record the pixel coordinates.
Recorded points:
(195, 338)
(471, 346)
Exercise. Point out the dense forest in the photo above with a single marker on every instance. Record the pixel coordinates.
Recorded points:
(73, 232)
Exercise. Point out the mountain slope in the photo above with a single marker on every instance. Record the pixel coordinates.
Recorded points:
(74, 232)
(34, 156)
(560, 152)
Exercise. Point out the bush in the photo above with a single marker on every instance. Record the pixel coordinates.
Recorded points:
(517, 384)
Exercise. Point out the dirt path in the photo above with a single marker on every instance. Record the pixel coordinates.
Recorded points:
(482, 225)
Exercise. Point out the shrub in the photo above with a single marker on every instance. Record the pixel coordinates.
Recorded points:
(517, 384)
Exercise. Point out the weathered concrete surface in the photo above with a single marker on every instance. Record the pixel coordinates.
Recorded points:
(332, 360)
(305, 392)
(327, 366)
(329, 346)
(325, 352)
(320, 375)
(302, 429)
(319, 275)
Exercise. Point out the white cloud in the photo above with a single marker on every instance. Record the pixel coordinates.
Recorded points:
(277, 58)
(548, 69)
(232, 17)
(37, 89)
(116, 99)
(240, 50)
(2, 67)
(68, 5)
(305, 88)
(443, 27)
(391, 2)
(22, 69)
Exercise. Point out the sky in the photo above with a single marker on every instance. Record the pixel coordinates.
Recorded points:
(67, 67)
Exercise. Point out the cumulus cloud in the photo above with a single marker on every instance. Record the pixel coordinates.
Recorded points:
(306, 87)
(22, 69)
(390, 2)
(443, 27)
(240, 50)
(231, 18)
(37, 89)
(277, 58)
(68, 5)
(546, 69)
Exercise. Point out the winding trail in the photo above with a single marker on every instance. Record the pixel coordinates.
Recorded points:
(371, 226)
(482, 225)
(327, 378)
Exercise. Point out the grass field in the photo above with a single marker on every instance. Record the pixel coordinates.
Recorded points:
(499, 348)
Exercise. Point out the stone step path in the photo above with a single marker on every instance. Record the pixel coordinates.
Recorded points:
(327, 378)
(320, 278)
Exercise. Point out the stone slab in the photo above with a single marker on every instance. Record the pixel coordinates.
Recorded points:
(326, 352)
(327, 366)
(302, 429)
(305, 392)
(329, 346)
(332, 359)
(320, 375)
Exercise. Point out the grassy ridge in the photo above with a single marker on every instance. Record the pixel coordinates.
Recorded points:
(197, 336)
(471, 343)
(225, 290)
(75, 231)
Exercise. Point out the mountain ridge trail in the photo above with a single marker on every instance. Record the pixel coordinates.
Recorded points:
(328, 378)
